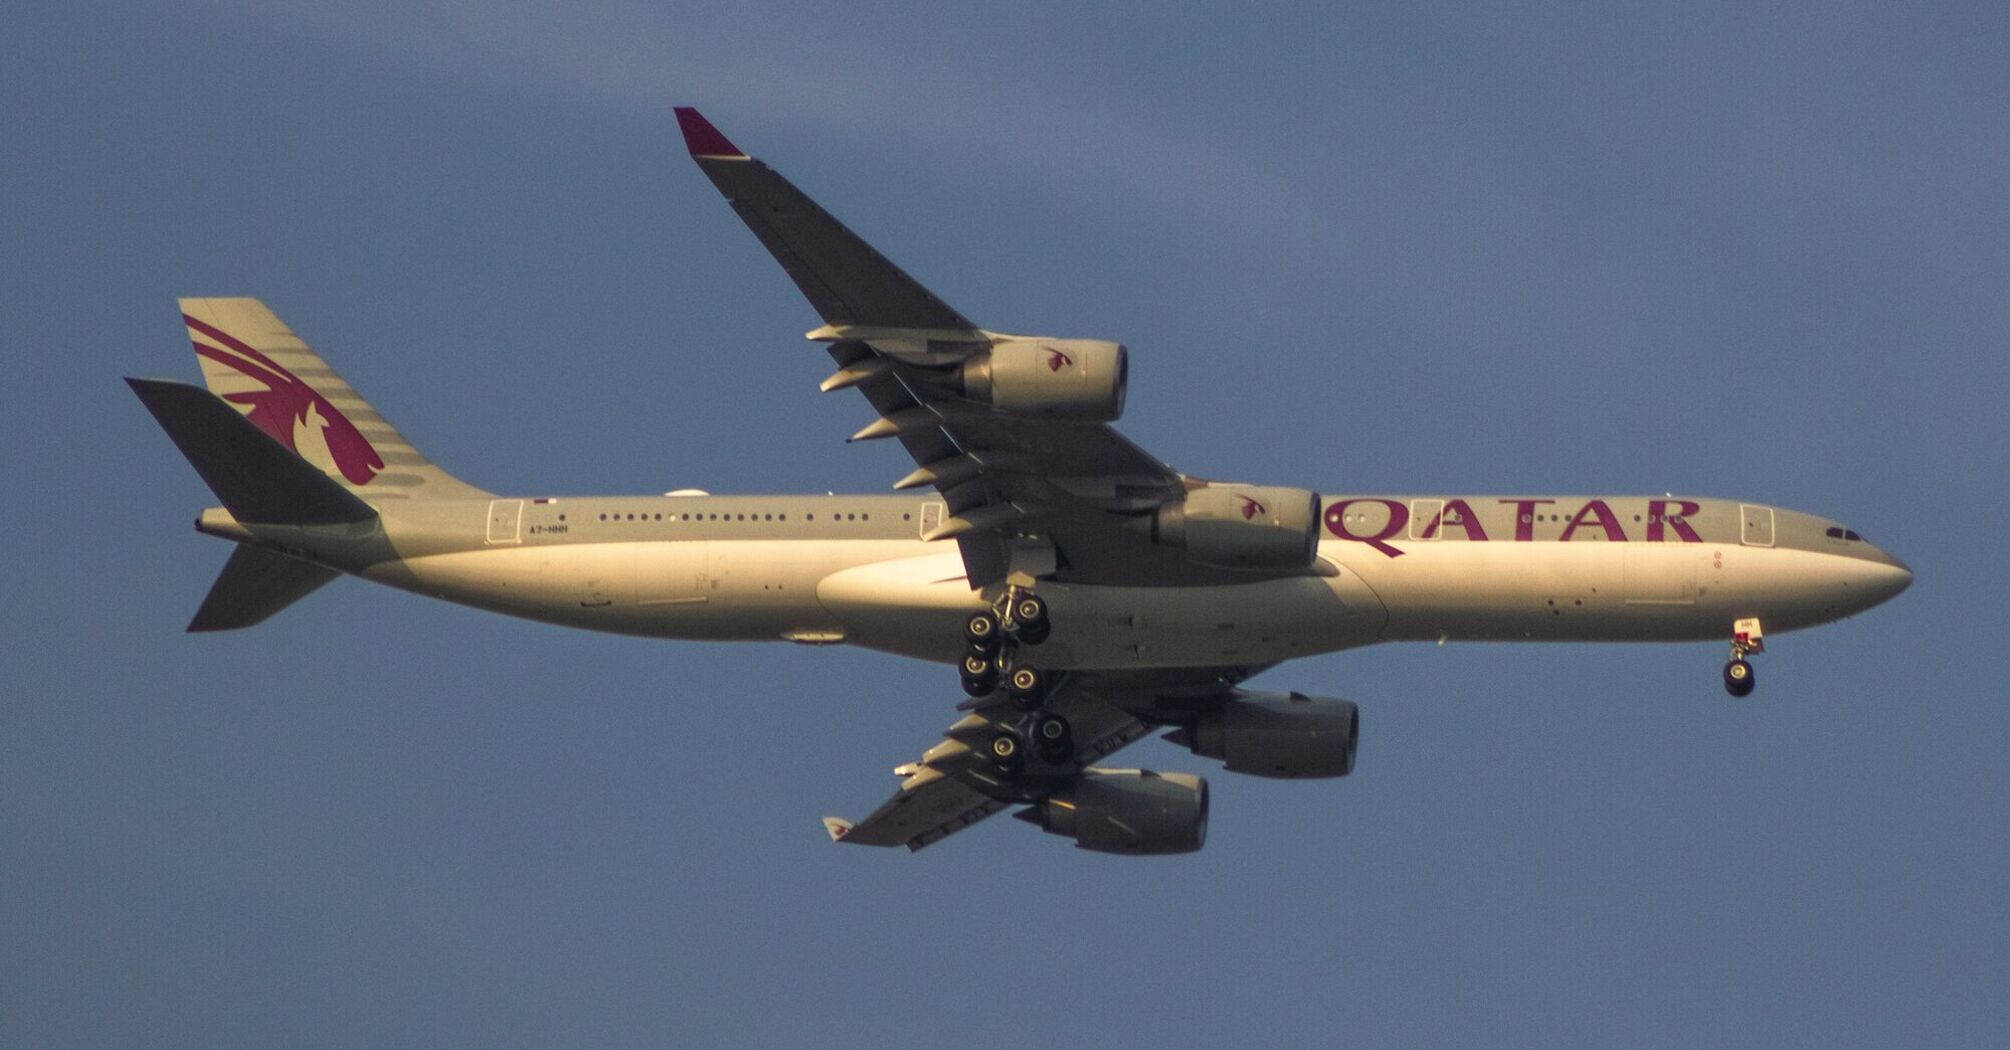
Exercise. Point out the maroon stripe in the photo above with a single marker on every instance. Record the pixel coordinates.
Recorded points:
(701, 138)
(236, 344)
(246, 367)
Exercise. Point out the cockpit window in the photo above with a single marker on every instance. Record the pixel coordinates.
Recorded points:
(1836, 532)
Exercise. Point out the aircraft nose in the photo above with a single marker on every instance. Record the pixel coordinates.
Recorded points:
(1882, 579)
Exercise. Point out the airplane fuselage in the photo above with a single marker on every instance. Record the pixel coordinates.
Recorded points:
(854, 570)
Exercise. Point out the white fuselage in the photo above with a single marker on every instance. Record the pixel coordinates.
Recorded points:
(853, 570)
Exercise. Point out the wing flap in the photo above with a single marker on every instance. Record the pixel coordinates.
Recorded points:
(928, 807)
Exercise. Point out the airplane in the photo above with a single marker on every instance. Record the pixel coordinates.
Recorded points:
(1088, 594)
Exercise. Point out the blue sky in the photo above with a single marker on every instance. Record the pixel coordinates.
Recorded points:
(1747, 250)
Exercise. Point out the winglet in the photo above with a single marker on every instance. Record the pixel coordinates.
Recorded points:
(838, 827)
(701, 138)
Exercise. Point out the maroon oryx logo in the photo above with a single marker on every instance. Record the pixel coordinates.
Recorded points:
(287, 401)
(1251, 508)
(1057, 359)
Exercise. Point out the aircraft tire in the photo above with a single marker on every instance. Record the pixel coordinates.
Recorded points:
(1006, 750)
(1054, 738)
(983, 633)
(980, 676)
(1739, 678)
(1029, 613)
(1027, 686)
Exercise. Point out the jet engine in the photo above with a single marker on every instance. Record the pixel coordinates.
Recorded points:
(1132, 811)
(1082, 379)
(1281, 735)
(1243, 526)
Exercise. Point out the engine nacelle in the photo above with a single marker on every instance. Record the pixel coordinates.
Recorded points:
(1080, 379)
(1282, 735)
(1243, 526)
(1132, 811)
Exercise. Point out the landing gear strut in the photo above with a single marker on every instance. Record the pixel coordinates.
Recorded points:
(1747, 638)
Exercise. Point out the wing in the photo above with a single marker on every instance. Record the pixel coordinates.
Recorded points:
(953, 786)
(842, 276)
(1079, 484)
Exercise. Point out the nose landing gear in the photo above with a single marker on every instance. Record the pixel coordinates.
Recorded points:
(1747, 638)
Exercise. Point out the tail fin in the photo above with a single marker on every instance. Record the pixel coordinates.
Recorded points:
(257, 478)
(254, 584)
(252, 360)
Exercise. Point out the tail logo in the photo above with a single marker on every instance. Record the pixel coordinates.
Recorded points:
(1056, 360)
(1251, 508)
(288, 404)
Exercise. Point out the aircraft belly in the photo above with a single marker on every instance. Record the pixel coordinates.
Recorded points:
(1253, 623)
(911, 606)
(916, 607)
(866, 593)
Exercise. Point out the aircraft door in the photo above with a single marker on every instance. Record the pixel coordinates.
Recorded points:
(1756, 525)
(505, 521)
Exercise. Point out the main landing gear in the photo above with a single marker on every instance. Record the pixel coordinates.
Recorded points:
(992, 660)
(1747, 638)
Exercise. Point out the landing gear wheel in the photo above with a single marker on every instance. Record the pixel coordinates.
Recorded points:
(1739, 679)
(1027, 686)
(980, 678)
(1006, 750)
(1029, 614)
(983, 633)
(1054, 738)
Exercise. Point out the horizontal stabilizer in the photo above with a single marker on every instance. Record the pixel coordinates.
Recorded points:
(254, 584)
(259, 480)
(837, 828)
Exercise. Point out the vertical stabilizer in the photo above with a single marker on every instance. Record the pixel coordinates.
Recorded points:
(253, 361)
